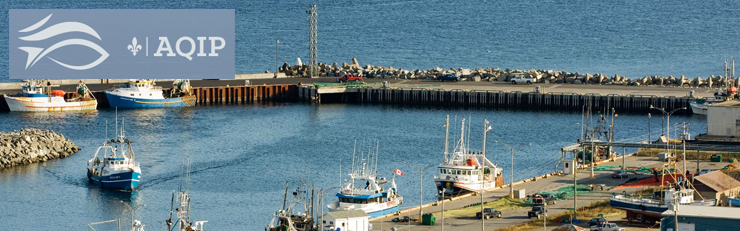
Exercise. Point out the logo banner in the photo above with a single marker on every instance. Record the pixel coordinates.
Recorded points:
(121, 44)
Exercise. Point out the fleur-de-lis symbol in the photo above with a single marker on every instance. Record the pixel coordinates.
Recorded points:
(133, 47)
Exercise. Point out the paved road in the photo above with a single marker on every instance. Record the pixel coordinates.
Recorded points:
(483, 86)
(519, 216)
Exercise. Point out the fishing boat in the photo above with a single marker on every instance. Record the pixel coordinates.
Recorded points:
(290, 218)
(365, 191)
(113, 165)
(38, 98)
(464, 171)
(143, 93)
(180, 207)
(734, 201)
(701, 106)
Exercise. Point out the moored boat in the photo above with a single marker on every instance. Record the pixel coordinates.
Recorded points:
(368, 194)
(650, 209)
(464, 171)
(38, 98)
(143, 93)
(290, 218)
(734, 201)
(724, 93)
(115, 167)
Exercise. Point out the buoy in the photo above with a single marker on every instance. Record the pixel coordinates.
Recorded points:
(59, 93)
(472, 162)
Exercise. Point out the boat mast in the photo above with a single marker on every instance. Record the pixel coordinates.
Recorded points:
(377, 149)
(447, 134)
(285, 196)
(486, 128)
(462, 137)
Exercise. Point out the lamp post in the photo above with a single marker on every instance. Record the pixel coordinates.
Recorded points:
(511, 183)
(443, 209)
(668, 124)
(649, 116)
(421, 183)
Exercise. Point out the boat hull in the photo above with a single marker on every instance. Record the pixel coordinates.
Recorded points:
(734, 202)
(42, 104)
(379, 209)
(453, 188)
(119, 101)
(124, 181)
(699, 109)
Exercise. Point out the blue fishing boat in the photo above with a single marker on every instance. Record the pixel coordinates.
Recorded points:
(143, 93)
(114, 165)
(734, 201)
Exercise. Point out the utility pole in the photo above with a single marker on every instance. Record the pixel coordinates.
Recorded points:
(575, 188)
(482, 214)
(312, 42)
(443, 209)
(649, 128)
(276, 58)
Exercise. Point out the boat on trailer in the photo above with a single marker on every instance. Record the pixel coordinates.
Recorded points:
(114, 164)
(464, 171)
(365, 191)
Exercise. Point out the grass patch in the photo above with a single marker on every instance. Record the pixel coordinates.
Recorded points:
(591, 211)
(505, 203)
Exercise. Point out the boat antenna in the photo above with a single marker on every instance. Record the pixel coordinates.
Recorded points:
(285, 196)
(354, 151)
(377, 148)
(123, 124)
(447, 134)
(106, 129)
(470, 121)
(340, 171)
(182, 173)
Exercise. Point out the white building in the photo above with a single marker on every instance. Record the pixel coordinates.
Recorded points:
(350, 220)
(723, 119)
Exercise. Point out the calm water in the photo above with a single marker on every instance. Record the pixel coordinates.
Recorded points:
(242, 155)
(627, 37)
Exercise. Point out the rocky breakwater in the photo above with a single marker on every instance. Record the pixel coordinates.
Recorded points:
(505, 75)
(31, 145)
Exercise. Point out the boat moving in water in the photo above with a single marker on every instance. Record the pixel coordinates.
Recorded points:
(290, 218)
(142, 93)
(115, 167)
(181, 199)
(463, 171)
(38, 98)
(370, 196)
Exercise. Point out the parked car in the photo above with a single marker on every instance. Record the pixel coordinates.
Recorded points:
(448, 77)
(596, 221)
(620, 174)
(705, 171)
(540, 199)
(349, 77)
(537, 211)
(488, 213)
(404, 219)
(607, 227)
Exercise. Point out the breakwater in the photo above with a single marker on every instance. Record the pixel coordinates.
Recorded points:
(492, 99)
(30, 145)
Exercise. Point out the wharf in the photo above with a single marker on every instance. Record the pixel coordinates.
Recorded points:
(512, 217)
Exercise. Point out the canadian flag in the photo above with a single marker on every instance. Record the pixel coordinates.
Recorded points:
(398, 172)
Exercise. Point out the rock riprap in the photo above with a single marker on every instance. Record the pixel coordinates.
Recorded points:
(31, 145)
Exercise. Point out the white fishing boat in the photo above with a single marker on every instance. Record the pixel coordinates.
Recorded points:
(38, 98)
(143, 93)
(180, 207)
(723, 94)
(365, 191)
(290, 218)
(464, 171)
(114, 165)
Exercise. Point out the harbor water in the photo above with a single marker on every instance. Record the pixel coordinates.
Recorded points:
(629, 38)
(242, 156)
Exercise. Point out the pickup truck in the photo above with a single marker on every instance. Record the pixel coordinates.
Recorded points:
(488, 213)
(537, 211)
(349, 77)
(541, 199)
(522, 80)
(607, 227)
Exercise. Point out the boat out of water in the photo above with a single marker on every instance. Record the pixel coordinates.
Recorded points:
(38, 98)
(365, 191)
(723, 94)
(464, 171)
(114, 164)
(734, 201)
(142, 93)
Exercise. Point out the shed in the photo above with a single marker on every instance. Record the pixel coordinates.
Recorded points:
(723, 119)
(349, 220)
(717, 185)
(693, 217)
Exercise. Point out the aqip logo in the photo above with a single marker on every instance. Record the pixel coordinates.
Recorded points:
(115, 44)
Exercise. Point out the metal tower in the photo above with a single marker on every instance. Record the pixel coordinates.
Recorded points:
(313, 68)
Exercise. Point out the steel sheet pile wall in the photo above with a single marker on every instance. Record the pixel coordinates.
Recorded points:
(245, 94)
(519, 100)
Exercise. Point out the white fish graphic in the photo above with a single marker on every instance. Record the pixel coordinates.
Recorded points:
(36, 53)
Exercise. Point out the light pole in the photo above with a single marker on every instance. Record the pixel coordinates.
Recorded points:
(421, 183)
(511, 183)
(276, 58)
(443, 209)
(649, 116)
(668, 124)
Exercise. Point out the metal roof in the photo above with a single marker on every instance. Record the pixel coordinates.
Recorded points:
(347, 214)
(718, 181)
(705, 212)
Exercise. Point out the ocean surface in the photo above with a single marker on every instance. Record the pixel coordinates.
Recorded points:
(242, 155)
(627, 37)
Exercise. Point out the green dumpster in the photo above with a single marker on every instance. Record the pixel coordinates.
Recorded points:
(428, 219)
(716, 158)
